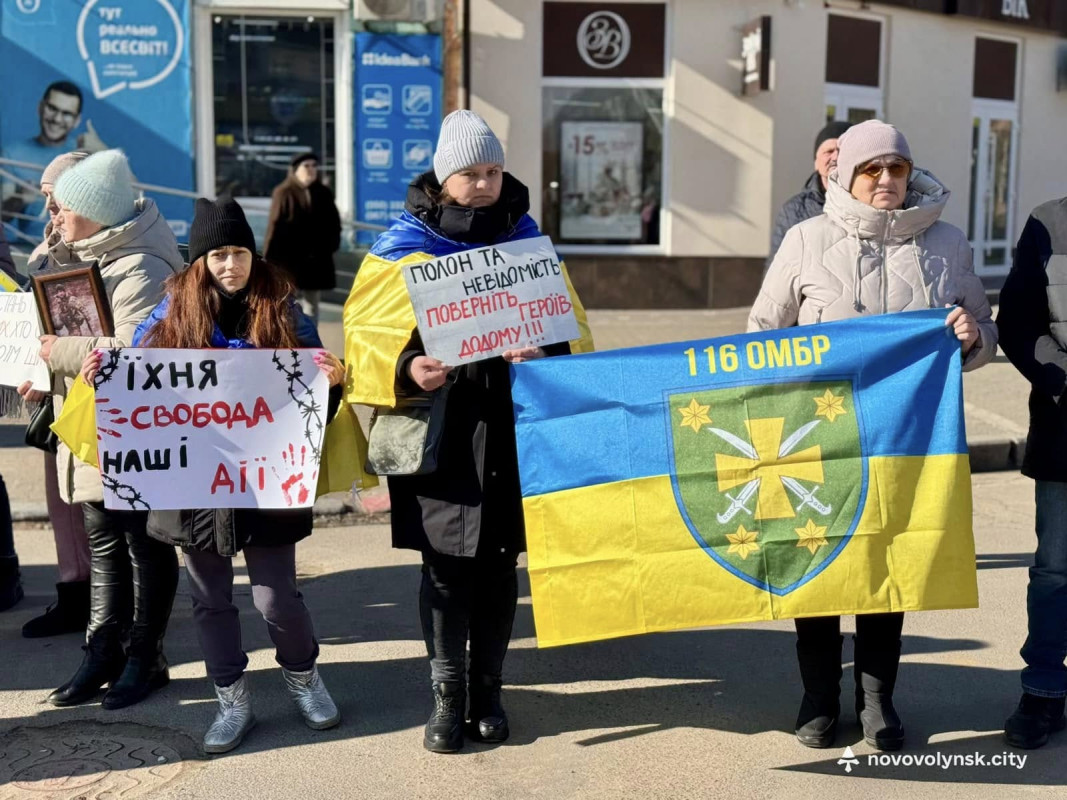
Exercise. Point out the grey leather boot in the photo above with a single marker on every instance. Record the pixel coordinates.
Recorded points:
(311, 697)
(233, 720)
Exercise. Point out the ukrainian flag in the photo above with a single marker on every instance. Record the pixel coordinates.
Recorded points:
(801, 472)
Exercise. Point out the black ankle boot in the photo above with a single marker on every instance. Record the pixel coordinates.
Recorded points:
(876, 668)
(444, 729)
(488, 722)
(820, 670)
(69, 614)
(103, 663)
(10, 582)
(1034, 720)
(142, 676)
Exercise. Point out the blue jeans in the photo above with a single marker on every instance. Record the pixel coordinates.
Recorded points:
(1046, 597)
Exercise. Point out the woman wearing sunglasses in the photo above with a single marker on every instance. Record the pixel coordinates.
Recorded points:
(878, 248)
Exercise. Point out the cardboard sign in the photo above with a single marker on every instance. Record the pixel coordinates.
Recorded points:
(183, 429)
(20, 331)
(479, 303)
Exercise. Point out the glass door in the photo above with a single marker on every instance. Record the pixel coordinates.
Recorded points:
(273, 80)
(991, 218)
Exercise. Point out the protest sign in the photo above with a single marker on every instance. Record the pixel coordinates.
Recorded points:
(209, 428)
(478, 303)
(20, 330)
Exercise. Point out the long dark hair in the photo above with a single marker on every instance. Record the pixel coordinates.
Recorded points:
(195, 304)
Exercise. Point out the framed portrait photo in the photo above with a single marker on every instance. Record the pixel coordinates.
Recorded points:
(72, 300)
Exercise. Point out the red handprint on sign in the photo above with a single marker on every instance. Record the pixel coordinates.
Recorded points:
(293, 463)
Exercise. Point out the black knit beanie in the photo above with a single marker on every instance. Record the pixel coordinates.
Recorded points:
(216, 225)
(833, 130)
(300, 158)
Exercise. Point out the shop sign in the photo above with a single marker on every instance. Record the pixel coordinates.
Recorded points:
(1041, 14)
(756, 57)
(117, 74)
(617, 40)
(398, 117)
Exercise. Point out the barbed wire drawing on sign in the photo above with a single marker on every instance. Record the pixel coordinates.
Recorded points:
(310, 409)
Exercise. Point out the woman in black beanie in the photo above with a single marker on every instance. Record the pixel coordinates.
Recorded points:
(304, 231)
(231, 298)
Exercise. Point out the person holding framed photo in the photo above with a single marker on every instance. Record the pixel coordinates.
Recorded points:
(104, 227)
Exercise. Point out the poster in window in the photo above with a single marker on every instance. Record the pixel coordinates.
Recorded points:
(600, 176)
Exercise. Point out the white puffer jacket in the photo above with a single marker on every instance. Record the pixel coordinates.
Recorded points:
(856, 260)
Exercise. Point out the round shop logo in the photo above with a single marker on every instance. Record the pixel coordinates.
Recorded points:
(603, 40)
(28, 6)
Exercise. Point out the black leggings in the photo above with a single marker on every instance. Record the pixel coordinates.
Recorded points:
(462, 597)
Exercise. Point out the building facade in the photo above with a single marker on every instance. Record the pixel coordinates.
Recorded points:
(660, 138)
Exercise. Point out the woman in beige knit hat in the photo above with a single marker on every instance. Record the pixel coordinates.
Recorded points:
(878, 248)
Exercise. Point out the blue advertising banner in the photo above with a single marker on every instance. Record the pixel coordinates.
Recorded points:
(398, 117)
(96, 74)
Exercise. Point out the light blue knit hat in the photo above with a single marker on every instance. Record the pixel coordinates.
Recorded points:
(466, 139)
(100, 188)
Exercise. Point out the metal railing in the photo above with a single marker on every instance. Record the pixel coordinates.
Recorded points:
(349, 227)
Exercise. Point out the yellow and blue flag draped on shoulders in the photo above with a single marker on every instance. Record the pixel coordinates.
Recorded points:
(800, 472)
(379, 319)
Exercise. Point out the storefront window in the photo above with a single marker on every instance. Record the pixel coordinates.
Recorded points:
(273, 98)
(603, 164)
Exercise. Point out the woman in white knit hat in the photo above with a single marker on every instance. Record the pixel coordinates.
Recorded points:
(878, 248)
(102, 220)
(466, 516)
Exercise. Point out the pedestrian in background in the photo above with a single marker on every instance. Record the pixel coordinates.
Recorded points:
(70, 612)
(466, 516)
(230, 298)
(1033, 335)
(304, 231)
(879, 248)
(101, 219)
(810, 200)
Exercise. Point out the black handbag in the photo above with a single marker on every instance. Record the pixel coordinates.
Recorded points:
(39, 432)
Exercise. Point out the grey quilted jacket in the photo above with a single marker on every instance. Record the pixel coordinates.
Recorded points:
(856, 260)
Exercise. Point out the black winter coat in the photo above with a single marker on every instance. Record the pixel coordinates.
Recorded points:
(227, 530)
(804, 205)
(303, 233)
(1033, 334)
(472, 504)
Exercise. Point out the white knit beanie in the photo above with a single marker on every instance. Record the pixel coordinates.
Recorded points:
(466, 139)
(865, 142)
(100, 188)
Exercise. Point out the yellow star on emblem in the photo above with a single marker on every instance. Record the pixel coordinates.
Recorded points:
(694, 415)
(743, 542)
(812, 536)
(830, 406)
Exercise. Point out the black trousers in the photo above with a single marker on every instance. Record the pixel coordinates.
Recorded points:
(872, 630)
(463, 598)
(133, 579)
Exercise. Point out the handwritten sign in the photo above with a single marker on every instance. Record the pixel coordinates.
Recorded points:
(209, 428)
(479, 303)
(20, 330)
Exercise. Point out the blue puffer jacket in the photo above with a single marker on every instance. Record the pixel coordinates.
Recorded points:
(227, 530)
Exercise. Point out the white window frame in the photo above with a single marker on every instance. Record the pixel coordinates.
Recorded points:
(1007, 110)
(204, 89)
(664, 84)
(850, 95)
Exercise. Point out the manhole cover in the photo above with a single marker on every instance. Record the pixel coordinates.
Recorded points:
(88, 760)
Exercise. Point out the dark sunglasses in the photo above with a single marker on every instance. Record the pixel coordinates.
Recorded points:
(898, 169)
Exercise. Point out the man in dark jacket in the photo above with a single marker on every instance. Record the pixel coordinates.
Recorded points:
(1033, 334)
(809, 202)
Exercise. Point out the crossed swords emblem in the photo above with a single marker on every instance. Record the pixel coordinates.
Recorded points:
(739, 502)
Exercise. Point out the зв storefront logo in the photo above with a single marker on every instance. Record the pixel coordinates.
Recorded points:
(603, 40)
